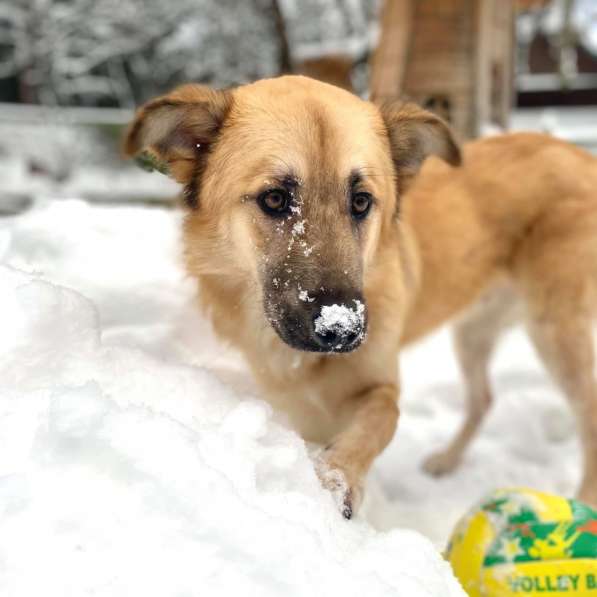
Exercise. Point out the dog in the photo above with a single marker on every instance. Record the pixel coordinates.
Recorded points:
(325, 232)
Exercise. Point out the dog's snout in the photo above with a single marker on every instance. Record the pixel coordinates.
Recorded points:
(327, 321)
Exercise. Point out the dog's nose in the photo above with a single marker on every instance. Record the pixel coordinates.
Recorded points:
(339, 327)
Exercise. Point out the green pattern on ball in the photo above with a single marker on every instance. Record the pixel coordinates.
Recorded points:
(523, 537)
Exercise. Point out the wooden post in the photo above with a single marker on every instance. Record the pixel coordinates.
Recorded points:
(494, 64)
(506, 84)
(452, 56)
(482, 89)
(388, 67)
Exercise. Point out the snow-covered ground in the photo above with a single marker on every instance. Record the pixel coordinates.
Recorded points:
(64, 159)
(137, 458)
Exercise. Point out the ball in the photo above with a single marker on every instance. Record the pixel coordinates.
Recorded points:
(524, 542)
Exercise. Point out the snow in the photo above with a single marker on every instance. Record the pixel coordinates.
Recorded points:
(325, 27)
(341, 319)
(551, 19)
(576, 124)
(123, 53)
(76, 160)
(303, 295)
(583, 20)
(298, 228)
(528, 440)
(136, 456)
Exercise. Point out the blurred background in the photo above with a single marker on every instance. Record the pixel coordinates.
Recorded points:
(72, 72)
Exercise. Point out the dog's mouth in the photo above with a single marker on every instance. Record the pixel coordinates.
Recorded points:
(337, 327)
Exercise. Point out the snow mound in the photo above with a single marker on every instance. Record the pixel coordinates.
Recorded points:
(123, 472)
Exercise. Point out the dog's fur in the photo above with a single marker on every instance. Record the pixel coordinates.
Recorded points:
(511, 232)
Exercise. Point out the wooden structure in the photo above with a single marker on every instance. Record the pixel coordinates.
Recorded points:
(452, 56)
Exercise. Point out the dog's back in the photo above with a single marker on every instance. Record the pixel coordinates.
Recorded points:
(512, 234)
(483, 221)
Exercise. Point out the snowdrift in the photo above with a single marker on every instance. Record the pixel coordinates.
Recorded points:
(125, 468)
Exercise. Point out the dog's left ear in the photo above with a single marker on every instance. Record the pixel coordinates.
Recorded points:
(173, 133)
(414, 135)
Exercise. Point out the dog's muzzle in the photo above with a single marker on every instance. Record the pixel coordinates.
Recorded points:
(332, 323)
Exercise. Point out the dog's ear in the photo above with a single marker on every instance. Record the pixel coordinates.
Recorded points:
(173, 133)
(415, 134)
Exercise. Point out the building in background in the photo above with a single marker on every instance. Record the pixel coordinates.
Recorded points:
(557, 53)
(73, 70)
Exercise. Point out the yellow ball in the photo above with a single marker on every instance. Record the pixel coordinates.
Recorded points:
(524, 542)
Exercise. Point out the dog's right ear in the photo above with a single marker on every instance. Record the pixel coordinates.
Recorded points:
(173, 133)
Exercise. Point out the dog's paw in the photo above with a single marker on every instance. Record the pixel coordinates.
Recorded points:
(347, 492)
(440, 463)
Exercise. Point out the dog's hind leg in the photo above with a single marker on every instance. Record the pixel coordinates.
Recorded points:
(557, 278)
(475, 335)
(565, 345)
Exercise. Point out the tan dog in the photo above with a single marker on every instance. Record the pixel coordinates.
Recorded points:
(306, 248)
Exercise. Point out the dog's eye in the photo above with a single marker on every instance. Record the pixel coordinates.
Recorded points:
(360, 205)
(274, 202)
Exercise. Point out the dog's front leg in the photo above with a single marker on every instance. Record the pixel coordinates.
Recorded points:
(346, 461)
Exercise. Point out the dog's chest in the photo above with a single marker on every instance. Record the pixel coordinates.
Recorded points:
(292, 384)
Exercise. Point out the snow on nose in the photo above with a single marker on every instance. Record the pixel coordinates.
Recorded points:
(340, 326)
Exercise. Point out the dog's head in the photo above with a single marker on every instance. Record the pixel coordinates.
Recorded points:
(290, 184)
